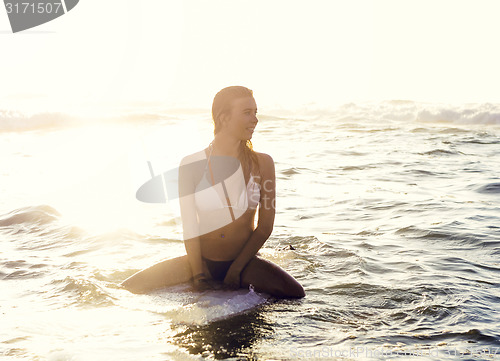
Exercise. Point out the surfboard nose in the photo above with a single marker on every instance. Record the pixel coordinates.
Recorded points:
(27, 14)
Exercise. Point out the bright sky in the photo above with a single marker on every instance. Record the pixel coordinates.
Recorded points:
(289, 52)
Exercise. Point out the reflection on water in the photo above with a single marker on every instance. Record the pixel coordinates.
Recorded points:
(234, 337)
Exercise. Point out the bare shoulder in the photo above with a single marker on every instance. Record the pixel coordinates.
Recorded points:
(265, 161)
(191, 158)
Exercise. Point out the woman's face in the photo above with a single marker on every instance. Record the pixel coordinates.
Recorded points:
(242, 118)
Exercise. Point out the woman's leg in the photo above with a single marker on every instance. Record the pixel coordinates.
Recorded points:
(267, 277)
(163, 274)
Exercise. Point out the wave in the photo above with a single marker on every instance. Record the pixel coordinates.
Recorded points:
(21, 270)
(388, 111)
(11, 121)
(472, 335)
(441, 152)
(81, 291)
(492, 188)
(42, 214)
(38, 228)
(407, 112)
(18, 121)
(478, 114)
(444, 233)
(437, 113)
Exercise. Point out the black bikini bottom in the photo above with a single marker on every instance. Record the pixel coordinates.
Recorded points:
(218, 269)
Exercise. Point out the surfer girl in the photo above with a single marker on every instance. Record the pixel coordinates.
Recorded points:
(220, 190)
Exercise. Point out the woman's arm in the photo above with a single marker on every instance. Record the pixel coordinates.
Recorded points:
(189, 217)
(267, 211)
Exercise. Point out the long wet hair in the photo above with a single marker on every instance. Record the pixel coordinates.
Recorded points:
(223, 102)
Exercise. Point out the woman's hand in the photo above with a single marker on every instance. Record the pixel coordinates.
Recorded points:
(200, 282)
(232, 279)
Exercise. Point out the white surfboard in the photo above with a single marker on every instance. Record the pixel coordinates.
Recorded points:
(182, 305)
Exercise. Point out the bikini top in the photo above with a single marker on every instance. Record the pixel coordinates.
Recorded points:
(229, 197)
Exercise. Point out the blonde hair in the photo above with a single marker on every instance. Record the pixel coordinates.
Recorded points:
(222, 104)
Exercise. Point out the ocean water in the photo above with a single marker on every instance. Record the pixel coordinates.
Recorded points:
(387, 213)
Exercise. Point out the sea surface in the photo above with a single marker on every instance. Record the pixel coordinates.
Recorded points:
(387, 213)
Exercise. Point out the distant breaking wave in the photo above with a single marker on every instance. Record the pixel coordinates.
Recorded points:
(389, 111)
(480, 114)
(409, 111)
(400, 111)
(16, 121)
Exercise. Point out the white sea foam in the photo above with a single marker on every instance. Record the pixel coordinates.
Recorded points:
(405, 111)
(18, 121)
(479, 114)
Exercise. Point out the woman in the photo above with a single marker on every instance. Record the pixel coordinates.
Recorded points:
(218, 205)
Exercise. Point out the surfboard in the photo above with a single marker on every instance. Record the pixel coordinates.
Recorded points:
(182, 305)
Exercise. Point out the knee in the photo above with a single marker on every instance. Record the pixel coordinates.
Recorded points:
(294, 290)
(288, 288)
(299, 291)
(132, 287)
